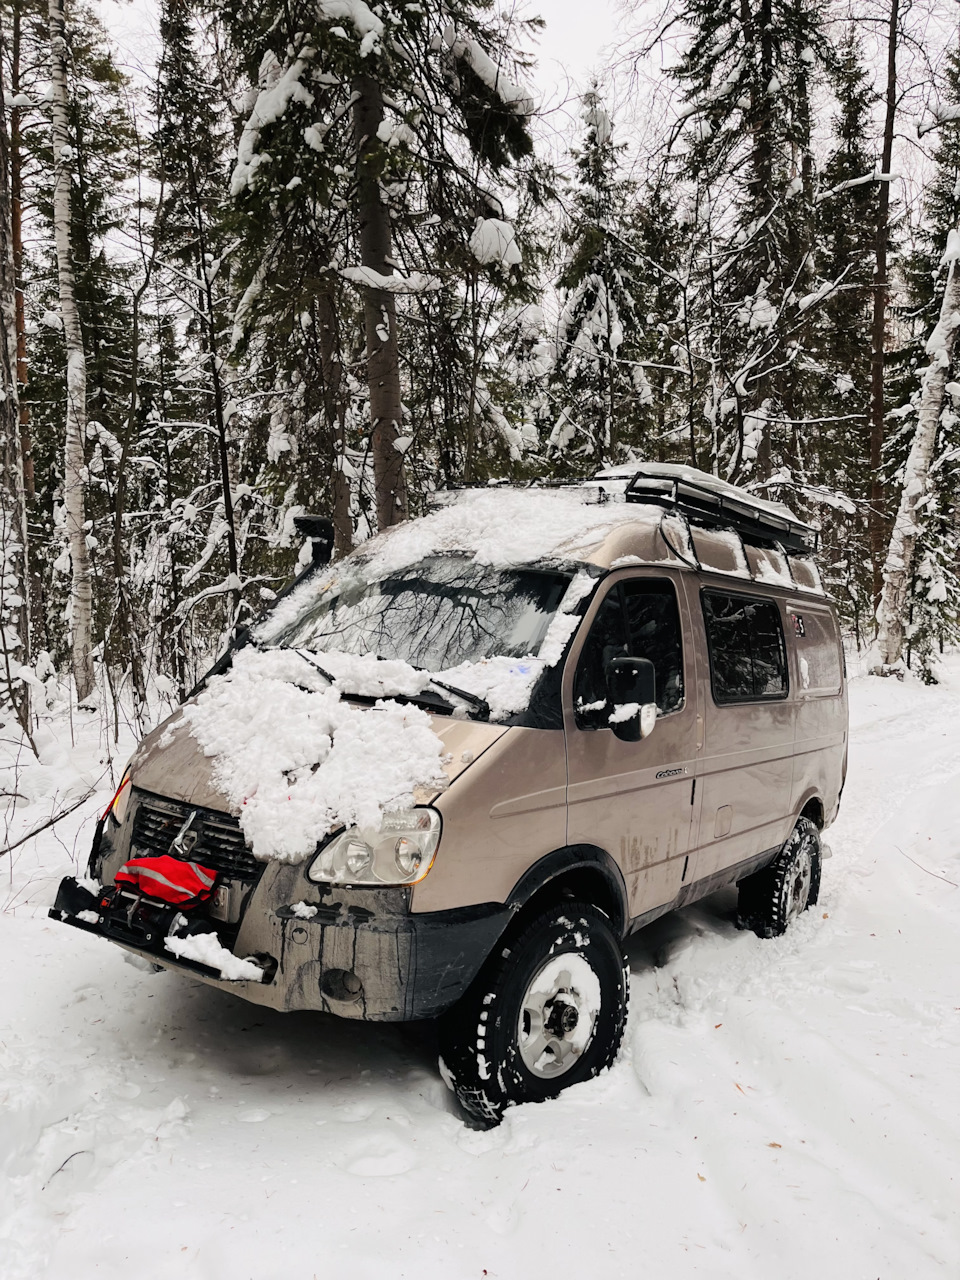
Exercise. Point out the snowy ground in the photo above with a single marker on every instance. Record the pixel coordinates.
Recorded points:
(787, 1108)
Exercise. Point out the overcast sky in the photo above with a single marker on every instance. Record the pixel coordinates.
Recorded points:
(575, 37)
(570, 50)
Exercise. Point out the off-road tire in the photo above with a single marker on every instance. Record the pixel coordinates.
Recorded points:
(771, 899)
(481, 1057)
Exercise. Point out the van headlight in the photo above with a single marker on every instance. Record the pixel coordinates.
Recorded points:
(117, 808)
(400, 851)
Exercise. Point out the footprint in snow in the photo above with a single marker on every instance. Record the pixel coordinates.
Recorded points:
(355, 1112)
(503, 1219)
(254, 1115)
(380, 1156)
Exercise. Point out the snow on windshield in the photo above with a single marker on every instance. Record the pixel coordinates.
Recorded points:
(486, 625)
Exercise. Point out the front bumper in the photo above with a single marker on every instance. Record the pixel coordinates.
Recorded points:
(360, 954)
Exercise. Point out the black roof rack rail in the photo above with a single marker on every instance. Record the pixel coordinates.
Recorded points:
(715, 507)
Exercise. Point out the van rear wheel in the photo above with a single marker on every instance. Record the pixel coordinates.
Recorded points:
(548, 1010)
(771, 899)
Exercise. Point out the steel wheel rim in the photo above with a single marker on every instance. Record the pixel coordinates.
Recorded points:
(798, 884)
(558, 1016)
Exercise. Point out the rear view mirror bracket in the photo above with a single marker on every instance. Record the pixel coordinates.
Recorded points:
(632, 693)
(320, 532)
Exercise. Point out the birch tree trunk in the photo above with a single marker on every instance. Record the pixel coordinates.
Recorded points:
(379, 309)
(14, 594)
(16, 215)
(898, 569)
(74, 464)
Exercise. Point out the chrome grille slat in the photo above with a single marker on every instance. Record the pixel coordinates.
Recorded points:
(220, 842)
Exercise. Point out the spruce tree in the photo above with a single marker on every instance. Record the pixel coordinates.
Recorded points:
(745, 142)
(837, 471)
(599, 383)
(372, 157)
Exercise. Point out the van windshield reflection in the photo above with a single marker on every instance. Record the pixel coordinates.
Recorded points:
(435, 615)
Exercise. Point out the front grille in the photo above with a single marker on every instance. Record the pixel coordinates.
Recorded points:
(220, 842)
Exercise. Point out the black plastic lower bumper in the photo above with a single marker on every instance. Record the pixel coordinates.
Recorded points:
(383, 964)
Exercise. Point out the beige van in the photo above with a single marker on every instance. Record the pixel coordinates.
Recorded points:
(632, 694)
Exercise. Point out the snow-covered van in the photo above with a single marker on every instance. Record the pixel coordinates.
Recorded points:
(446, 776)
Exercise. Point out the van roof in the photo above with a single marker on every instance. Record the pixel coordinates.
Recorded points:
(600, 522)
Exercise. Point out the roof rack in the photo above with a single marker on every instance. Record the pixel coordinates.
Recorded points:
(709, 501)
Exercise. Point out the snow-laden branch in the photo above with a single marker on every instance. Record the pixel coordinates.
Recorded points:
(939, 113)
(368, 278)
(863, 181)
(512, 95)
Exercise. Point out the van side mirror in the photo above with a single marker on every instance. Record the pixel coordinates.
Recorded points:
(632, 692)
(320, 532)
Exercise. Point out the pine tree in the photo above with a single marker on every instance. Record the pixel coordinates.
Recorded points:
(91, 167)
(746, 145)
(191, 167)
(375, 138)
(669, 426)
(599, 383)
(14, 570)
(837, 472)
(74, 469)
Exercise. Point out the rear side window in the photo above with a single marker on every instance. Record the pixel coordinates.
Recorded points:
(818, 652)
(748, 659)
(637, 619)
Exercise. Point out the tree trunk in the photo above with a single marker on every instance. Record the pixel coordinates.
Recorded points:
(16, 217)
(335, 412)
(14, 609)
(74, 463)
(379, 309)
(898, 570)
(878, 327)
(208, 314)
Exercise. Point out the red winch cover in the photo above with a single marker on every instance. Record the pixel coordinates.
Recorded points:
(169, 879)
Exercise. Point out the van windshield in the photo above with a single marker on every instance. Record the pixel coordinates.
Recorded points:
(435, 615)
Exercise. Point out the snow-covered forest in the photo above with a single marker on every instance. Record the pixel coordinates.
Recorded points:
(331, 256)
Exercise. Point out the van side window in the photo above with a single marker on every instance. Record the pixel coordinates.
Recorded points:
(637, 619)
(653, 625)
(818, 651)
(748, 660)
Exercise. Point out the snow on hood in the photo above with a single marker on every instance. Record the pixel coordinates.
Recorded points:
(296, 761)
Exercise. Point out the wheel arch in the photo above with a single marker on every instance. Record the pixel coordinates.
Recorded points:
(583, 871)
(813, 809)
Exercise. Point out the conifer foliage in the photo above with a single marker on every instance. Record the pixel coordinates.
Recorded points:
(601, 385)
(323, 257)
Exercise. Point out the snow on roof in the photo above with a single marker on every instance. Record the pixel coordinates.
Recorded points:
(507, 527)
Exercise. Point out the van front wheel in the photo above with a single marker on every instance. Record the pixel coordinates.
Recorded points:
(547, 1011)
(771, 899)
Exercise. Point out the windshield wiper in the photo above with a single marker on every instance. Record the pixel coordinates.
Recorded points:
(301, 653)
(481, 705)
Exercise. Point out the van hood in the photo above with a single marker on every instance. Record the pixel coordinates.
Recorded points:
(170, 761)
